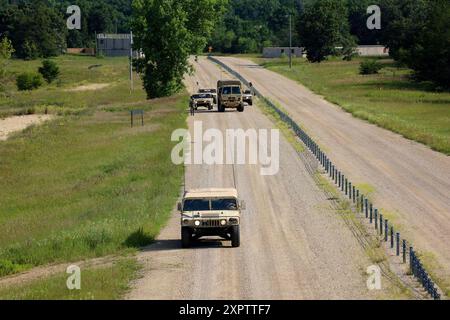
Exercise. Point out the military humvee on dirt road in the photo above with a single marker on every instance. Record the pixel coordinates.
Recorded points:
(210, 212)
(201, 100)
(230, 95)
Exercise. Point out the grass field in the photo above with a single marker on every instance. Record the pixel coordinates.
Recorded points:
(103, 283)
(389, 99)
(86, 184)
(59, 98)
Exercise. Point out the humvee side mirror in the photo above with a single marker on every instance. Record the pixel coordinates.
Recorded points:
(179, 206)
(243, 205)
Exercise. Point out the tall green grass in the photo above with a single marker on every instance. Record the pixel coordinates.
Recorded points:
(87, 185)
(390, 99)
(102, 283)
(75, 71)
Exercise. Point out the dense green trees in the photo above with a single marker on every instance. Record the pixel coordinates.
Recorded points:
(249, 25)
(322, 27)
(37, 28)
(168, 31)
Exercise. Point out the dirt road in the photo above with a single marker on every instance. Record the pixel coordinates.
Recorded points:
(293, 244)
(411, 182)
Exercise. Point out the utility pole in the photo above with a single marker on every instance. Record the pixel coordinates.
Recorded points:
(290, 41)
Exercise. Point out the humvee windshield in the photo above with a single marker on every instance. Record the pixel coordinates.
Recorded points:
(205, 205)
(224, 204)
(231, 90)
(196, 205)
(201, 96)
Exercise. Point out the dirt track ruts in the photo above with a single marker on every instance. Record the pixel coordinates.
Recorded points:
(293, 244)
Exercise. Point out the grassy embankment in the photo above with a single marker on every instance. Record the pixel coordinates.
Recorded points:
(389, 99)
(100, 283)
(86, 184)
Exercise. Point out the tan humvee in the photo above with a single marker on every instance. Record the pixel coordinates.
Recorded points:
(210, 212)
(230, 95)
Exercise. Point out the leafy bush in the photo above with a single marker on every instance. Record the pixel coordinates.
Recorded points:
(370, 67)
(28, 81)
(49, 70)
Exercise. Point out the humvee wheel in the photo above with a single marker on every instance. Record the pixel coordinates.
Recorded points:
(241, 108)
(221, 108)
(235, 237)
(185, 237)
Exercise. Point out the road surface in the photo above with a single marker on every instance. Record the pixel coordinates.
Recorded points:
(293, 243)
(411, 181)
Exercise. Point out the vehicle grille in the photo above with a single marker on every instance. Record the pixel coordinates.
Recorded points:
(211, 223)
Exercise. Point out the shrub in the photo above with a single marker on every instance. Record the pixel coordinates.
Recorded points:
(29, 81)
(370, 67)
(49, 70)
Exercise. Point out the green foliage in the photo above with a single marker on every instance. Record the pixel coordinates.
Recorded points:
(6, 50)
(249, 25)
(28, 81)
(168, 31)
(49, 70)
(370, 67)
(323, 26)
(417, 33)
(35, 29)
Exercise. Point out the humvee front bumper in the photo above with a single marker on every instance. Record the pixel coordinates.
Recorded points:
(200, 223)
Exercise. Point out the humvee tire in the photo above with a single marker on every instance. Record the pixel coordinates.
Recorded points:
(221, 108)
(241, 108)
(235, 237)
(185, 237)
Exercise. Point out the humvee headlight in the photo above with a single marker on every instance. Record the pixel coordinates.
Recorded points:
(233, 221)
(186, 221)
(223, 222)
(197, 223)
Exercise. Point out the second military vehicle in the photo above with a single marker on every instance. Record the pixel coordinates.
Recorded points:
(213, 92)
(210, 212)
(248, 97)
(230, 95)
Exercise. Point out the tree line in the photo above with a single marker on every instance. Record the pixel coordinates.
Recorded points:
(417, 32)
(37, 28)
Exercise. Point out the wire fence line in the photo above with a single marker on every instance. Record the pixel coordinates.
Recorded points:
(361, 202)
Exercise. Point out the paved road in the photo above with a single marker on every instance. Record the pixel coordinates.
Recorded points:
(293, 244)
(412, 182)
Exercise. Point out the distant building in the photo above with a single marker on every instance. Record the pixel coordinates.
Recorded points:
(372, 50)
(278, 52)
(114, 45)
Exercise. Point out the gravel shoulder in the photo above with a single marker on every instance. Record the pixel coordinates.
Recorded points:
(410, 182)
(293, 243)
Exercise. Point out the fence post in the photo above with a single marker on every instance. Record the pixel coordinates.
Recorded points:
(376, 219)
(392, 237)
(381, 224)
(398, 244)
(354, 194)
(350, 190)
(366, 206)
(371, 213)
(386, 230)
(404, 251)
(346, 186)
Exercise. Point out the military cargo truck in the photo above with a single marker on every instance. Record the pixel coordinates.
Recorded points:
(230, 95)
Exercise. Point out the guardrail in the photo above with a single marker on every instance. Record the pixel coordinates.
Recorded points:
(355, 196)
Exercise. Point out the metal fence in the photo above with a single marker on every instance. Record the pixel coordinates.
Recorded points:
(360, 201)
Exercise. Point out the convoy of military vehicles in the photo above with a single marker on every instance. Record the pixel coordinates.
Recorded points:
(214, 212)
(228, 95)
